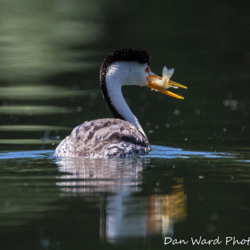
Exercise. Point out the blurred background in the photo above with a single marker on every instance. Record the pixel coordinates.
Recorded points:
(51, 53)
(196, 178)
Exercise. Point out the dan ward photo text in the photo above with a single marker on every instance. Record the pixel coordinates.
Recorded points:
(229, 240)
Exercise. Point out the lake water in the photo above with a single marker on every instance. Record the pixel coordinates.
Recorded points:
(194, 183)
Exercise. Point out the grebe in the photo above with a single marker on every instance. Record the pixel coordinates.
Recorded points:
(122, 136)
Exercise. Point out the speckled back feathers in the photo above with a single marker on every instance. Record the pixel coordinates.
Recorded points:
(104, 138)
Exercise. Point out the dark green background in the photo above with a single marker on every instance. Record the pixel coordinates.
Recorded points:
(50, 56)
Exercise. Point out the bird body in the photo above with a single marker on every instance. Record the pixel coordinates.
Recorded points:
(122, 136)
(104, 138)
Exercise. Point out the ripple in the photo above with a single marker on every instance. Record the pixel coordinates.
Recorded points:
(27, 154)
(34, 110)
(170, 153)
(157, 151)
(39, 92)
(32, 128)
(28, 141)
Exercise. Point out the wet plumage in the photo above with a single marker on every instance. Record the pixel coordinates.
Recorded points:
(104, 138)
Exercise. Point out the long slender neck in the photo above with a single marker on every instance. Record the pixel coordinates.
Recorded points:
(111, 86)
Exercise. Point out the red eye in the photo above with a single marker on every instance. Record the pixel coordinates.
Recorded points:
(147, 69)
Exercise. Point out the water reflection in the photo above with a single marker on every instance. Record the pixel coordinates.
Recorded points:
(87, 176)
(121, 201)
(165, 210)
(36, 37)
(40, 43)
(39, 92)
(171, 153)
(32, 128)
(34, 110)
(125, 216)
(115, 185)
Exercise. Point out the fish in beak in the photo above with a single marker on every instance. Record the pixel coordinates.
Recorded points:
(162, 83)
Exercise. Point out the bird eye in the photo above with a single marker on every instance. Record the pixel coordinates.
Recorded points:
(147, 69)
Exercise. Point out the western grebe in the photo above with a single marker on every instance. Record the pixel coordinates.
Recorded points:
(122, 136)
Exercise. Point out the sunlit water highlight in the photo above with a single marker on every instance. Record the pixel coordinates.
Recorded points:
(157, 152)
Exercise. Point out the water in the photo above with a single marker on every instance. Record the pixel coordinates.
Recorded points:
(194, 182)
(71, 203)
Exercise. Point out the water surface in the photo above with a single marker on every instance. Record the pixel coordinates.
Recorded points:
(196, 179)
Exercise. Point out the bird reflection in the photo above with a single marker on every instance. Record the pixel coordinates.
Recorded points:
(89, 176)
(165, 210)
(114, 183)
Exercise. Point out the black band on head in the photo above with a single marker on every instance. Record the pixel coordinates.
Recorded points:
(129, 55)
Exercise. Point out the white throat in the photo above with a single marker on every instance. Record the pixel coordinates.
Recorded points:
(115, 80)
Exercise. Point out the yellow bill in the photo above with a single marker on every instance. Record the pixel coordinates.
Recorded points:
(177, 84)
(161, 84)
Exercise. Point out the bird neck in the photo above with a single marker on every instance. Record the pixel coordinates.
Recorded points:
(112, 92)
